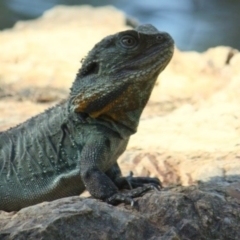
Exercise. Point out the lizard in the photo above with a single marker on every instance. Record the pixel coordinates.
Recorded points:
(75, 145)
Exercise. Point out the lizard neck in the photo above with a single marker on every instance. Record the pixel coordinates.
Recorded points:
(122, 109)
(127, 111)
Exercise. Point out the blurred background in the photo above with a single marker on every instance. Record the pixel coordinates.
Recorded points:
(194, 24)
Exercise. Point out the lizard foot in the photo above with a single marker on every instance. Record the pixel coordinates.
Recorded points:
(131, 182)
(128, 197)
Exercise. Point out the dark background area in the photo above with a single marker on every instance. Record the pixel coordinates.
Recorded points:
(194, 24)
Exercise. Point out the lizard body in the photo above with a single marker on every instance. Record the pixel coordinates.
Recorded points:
(75, 145)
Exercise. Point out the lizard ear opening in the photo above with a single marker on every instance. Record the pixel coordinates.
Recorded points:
(91, 68)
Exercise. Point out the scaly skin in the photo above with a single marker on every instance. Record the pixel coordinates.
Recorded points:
(76, 144)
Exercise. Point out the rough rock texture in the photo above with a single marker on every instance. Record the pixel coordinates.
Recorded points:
(209, 211)
(190, 130)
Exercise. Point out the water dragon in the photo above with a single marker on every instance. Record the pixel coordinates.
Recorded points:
(75, 145)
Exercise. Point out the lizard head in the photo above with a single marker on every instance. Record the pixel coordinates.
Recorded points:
(118, 74)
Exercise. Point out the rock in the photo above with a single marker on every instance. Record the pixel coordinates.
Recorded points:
(75, 218)
(174, 168)
(207, 211)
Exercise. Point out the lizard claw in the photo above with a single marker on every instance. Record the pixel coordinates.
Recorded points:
(128, 197)
(120, 198)
(134, 182)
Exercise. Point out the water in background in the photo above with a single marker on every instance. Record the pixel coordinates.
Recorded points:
(194, 24)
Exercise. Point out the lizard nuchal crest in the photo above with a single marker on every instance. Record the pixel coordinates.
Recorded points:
(75, 145)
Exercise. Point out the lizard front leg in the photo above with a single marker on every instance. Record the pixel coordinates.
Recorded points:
(102, 185)
(93, 159)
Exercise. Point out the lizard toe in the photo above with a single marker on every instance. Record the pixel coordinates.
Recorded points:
(127, 197)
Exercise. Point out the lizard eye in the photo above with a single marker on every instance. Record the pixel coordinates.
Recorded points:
(128, 41)
(159, 37)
